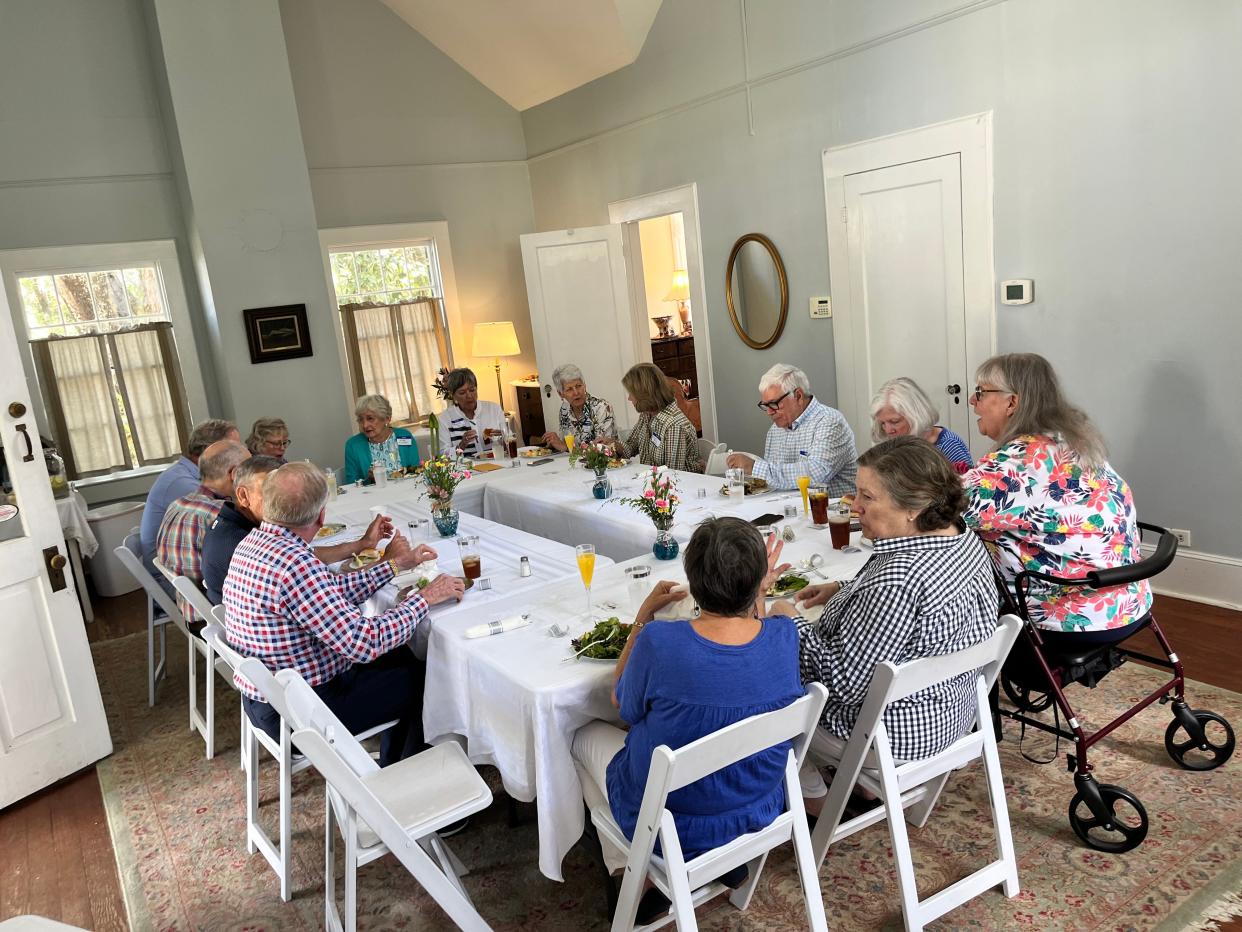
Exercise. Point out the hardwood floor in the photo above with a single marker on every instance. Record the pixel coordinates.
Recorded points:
(56, 855)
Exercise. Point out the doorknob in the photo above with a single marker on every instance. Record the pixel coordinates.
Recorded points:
(954, 390)
(56, 562)
(17, 409)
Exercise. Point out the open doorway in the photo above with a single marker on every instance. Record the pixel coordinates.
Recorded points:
(667, 296)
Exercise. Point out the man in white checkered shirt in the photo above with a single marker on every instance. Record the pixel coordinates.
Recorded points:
(805, 435)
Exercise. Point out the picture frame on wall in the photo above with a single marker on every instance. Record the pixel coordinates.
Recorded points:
(276, 333)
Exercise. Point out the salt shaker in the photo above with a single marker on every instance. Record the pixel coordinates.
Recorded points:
(524, 566)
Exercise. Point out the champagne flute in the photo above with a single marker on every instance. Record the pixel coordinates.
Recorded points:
(569, 443)
(586, 569)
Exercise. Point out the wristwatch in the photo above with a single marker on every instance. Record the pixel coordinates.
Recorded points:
(392, 565)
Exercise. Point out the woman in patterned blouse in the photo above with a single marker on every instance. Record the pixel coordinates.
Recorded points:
(663, 435)
(377, 442)
(587, 418)
(1046, 499)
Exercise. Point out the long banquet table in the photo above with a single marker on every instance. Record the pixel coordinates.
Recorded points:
(516, 699)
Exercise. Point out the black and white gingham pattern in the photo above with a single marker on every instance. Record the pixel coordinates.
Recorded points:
(916, 597)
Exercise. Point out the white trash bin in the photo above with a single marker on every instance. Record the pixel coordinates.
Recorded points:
(111, 523)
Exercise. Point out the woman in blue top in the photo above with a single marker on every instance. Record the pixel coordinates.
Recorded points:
(378, 443)
(678, 681)
(900, 407)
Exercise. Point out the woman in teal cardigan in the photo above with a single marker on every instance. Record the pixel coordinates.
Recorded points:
(378, 443)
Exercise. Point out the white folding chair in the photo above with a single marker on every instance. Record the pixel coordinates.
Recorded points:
(713, 456)
(689, 884)
(909, 790)
(161, 609)
(227, 662)
(397, 809)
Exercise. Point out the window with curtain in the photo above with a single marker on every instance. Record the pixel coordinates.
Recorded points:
(392, 315)
(106, 361)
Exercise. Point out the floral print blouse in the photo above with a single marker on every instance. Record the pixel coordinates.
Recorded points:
(1038, 508)
(596, 423)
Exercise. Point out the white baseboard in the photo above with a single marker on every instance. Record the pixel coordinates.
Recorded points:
(1201, 577)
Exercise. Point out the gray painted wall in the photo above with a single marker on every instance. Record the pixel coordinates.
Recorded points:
(1116, 188)
(396, 132)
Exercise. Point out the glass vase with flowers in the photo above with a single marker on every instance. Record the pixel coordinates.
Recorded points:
(596, 457)
(659, 502)
(441, 476)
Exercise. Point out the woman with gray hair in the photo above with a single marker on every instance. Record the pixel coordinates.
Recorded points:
(583, 416)
(468, 424)
(1046, 499)
(901, 408)
(269, 437)
(377, 442)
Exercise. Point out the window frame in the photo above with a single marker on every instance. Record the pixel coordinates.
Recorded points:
(51, 260)
(383, 236)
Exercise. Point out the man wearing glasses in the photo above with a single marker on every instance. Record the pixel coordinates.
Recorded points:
(805, 436)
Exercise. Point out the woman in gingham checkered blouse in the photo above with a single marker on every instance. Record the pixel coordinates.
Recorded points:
(927, 590)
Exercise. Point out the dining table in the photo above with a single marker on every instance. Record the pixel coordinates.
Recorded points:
(515, 699)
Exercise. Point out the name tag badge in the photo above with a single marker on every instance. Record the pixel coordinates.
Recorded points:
(404, 441)
(656, 441)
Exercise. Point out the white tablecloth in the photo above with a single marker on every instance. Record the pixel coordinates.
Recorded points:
(72, 512)
(511, 698)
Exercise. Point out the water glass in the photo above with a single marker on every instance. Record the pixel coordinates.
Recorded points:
(791, 511)
(381, 476)
(471, 558)
(638, 584)
(736, 480)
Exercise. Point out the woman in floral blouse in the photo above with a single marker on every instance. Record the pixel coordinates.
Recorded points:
(1046, 499)
(587, 418)
(663, 435)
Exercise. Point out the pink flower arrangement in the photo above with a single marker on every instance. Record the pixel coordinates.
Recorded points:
(659, 498)
(442, 475)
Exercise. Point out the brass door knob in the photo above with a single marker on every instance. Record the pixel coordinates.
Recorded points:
(17, 409)
(57, 562)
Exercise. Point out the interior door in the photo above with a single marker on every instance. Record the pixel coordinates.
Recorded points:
(51, 716)
(906, 285)
(580, 313)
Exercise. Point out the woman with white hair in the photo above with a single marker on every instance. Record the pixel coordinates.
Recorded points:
(901, 408)
(377, 442)
(587, 418)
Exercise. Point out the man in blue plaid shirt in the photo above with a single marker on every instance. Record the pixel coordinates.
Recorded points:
(285, 607)
(805, 436)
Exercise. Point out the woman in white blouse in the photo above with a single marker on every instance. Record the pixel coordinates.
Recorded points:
(468, 425)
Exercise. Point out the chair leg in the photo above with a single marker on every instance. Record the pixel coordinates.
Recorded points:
(193, 665)
(243, 742)
(286, 806)
(211, 704)
(150, 656)
(906, 885)
(444, 858)
(250, 758)
(1000, 816)
(351, 874)
(740, 897)
(331, 918)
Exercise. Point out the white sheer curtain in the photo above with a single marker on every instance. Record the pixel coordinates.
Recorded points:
(143, 377)
(422, 349)
(79, 369)
(383, 372)
(397, 351)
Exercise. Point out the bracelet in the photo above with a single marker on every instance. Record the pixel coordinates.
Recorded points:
(392, 565)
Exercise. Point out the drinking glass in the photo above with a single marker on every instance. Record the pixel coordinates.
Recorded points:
(804, 486)
(471, 558)
(381, 476)
(569, 442)
(819, 504)
(839, 526)
(736, 479)
(638, 584)
(586, 569)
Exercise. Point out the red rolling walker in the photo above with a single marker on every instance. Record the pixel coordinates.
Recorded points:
(1105, 816)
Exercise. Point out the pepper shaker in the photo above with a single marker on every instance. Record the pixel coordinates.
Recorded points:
(524, 566)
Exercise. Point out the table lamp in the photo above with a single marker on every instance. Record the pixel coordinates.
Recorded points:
(496, 339)
(680, 292)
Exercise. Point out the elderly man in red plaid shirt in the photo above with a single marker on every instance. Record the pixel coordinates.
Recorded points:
(286, 608)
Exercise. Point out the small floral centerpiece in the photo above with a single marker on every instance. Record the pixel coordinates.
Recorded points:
(659, 502)
(595, 456)
(441, 476)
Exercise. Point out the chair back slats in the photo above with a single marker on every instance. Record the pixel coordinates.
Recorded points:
(190, 591)
(304, 709)
(130, 555)
(750, 736)
(898, 682)
(213, 634)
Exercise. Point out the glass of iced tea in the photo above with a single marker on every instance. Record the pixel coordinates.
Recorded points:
(819, 504)
(471, 558)
(839, 526)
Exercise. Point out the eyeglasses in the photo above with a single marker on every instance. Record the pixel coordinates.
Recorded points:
(773, 405)
(980, 392)
(283, 444)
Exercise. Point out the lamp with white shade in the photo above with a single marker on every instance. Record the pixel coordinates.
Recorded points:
(496, 339)
(680, 292)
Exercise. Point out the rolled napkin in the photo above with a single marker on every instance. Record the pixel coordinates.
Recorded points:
(498, 627)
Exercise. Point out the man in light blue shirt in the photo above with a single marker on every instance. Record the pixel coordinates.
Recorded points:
(805, 436)
(178, 480)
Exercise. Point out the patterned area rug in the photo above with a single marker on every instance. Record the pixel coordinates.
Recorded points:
(178, 826)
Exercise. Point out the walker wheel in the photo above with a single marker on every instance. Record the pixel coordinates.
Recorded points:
(1023, 696)
(1123, 830)
(1217, 746)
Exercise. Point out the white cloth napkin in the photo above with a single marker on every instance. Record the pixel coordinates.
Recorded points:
(498, 627)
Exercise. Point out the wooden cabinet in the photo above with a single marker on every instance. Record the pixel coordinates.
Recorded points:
(675, 357)
(530, 411)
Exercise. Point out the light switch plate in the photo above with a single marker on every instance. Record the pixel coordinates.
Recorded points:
(821, 307)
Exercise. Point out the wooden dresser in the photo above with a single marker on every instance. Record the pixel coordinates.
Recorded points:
(675, 357)
(530, 410)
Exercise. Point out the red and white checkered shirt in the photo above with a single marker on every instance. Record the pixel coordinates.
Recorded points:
(286, 608)
(179, 544)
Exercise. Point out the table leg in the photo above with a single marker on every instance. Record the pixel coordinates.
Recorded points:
(79, 578)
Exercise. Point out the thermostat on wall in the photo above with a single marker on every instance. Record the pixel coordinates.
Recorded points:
(1018, 291)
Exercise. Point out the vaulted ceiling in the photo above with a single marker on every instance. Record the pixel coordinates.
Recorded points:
(529, 51)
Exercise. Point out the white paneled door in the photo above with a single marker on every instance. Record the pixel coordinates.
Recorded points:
(910, 259)
(580, 313)
(51, 716)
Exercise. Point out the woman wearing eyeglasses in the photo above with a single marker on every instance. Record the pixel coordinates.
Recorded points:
(1046, 499)
(269, 437)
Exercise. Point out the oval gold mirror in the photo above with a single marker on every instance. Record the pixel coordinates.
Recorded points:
(756, 290)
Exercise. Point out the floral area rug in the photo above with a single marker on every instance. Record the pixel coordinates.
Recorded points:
(178, 827)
